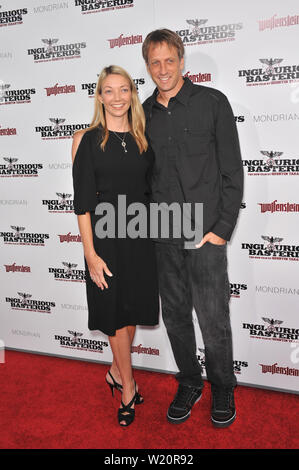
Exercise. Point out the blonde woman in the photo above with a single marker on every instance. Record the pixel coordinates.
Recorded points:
(112, 158)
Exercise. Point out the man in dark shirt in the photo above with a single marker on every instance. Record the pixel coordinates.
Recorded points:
(197, 160)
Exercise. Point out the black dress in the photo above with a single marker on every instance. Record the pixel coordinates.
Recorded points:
(100, 176)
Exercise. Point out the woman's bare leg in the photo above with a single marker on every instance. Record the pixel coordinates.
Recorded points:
(114, 368)
(121, 348)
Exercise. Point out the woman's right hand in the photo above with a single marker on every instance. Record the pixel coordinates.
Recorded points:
(97, 267)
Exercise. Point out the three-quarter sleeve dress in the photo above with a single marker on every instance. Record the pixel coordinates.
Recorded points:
(132, 296)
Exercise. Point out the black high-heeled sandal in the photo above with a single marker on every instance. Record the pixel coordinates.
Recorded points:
(128, 418)
(114, 385)
(119, 387)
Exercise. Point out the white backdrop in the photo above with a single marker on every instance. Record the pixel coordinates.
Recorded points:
(50, 55)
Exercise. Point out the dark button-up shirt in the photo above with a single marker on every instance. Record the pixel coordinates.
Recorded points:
(197, 154)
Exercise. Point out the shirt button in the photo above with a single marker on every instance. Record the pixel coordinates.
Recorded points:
(169, 112)
(170, 138)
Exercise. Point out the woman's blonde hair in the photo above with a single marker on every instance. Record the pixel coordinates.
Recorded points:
(135, 113)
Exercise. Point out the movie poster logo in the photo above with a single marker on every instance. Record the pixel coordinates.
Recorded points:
(12, 17)
(99, 6)
(274, 22)
(60, 206)
(275, 206)
(262, 118)
(20, 96)
(272, 249)
(68, 273)
(14, 268)
(271, 331)
(275, 369)
(145, 350)
(198, 77)
(278, 290)
(237, 289)
(26, 303)
(19, 237)
(68, 238)
(23, 170)
(58, 130)
(125, 40)
(91, 86)
(271, 74)
(75, 341)
(52, 51)
(272, 164)
(8, 131)
(238, 365)
(200, 33)
(58, 90)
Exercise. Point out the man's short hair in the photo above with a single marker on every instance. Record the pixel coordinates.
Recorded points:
(163, 35)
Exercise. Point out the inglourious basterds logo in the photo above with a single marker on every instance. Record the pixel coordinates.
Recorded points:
(14, 169)
(271, 73)
(61, 205)
(12, 17)
(272, 249)
(52, 51)
(271, 330)
(18, 236)
(10, 96)
(75, 341)
(236, 289)
(273, 164)
(238, 365)
(91, 86)
(58, 130)
(201, 33)
(26, 303)
(68, 273)
(96, 6)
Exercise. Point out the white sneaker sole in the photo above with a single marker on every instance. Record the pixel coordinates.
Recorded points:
(224, 424)
(182, 418)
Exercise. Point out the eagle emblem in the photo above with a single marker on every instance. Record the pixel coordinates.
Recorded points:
(272, 323)
(270, 162)
(57, 123)
(270, 65)
(76, 335)
(69, 267)
(3, 90)
(271, 246)
(25, 298)
(63, 197)
(196, 24)
(50, 43)
(18, 230)
(10, 161)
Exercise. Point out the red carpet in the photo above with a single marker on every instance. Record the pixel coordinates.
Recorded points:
(52, 403)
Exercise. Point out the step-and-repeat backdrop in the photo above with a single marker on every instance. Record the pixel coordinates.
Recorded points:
(50, 56)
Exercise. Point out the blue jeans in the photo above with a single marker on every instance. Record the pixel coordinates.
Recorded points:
(197, 278)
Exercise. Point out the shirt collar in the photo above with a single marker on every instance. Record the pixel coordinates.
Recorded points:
(182, 96)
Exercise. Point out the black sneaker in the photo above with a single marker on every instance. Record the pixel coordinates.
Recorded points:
(180, 408)
(223, 407)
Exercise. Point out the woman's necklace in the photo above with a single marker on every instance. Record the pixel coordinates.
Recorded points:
(123, 143)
